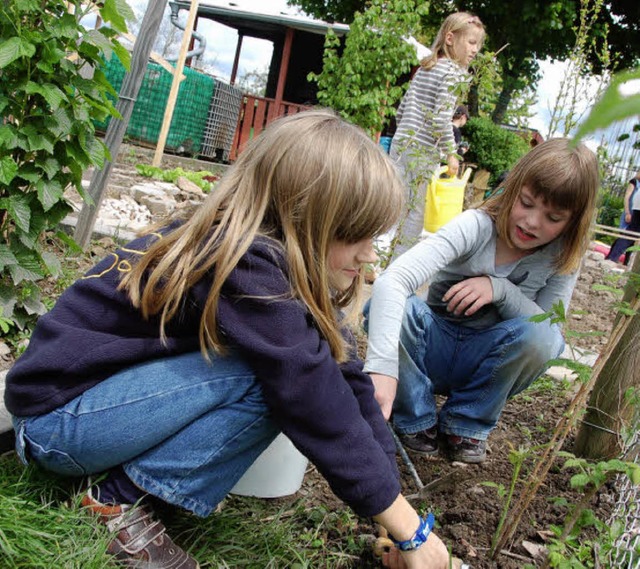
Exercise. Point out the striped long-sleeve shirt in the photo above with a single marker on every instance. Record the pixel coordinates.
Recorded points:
(425, 113)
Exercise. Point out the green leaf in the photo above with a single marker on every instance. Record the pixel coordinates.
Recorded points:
(53, 95)
(69, 242)
(579, 481)
(8, 136)
(18, 207)
(116, 12)
(28, 267)
(8, 170)
(52, 262)
(123, 54)
(37, 140)
(49, 165)
(59, 123)
(96, 151)
(32, 303)
(612, 106)
(49, 193)
(6, 257)
(13, 49)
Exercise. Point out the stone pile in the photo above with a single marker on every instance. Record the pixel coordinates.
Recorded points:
(127, 210)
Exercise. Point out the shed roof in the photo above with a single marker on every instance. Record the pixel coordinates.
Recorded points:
(262, 23)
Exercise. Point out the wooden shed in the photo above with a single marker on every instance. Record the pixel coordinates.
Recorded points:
(298, 46)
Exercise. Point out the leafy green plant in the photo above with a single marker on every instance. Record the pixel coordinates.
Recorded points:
(565, 549)
(493, 147)
(204, 179)
(517, 459)
(360, 81)
(47, 136)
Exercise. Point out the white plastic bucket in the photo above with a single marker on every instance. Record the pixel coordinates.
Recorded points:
(278, 471)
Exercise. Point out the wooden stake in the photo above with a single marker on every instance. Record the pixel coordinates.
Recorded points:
(175, 85)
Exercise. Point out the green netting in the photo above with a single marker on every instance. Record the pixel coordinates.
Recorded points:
(189, 116)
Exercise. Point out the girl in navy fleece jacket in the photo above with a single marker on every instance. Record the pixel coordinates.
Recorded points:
(176, 360)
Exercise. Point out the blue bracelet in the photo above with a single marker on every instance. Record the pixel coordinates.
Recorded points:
(421, 535)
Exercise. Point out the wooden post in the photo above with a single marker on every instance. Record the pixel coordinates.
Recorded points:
(282, 76)
(236, 59)
(117, 128)
(175, 84)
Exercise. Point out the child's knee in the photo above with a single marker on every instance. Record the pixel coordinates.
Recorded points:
(541, 342)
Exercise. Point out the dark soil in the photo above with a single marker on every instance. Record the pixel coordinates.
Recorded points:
(468, 500)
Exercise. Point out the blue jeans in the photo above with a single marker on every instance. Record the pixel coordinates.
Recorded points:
(183, 429)
(478, 370)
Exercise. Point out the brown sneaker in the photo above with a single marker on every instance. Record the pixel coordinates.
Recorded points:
(140, 541)
(423, 442)
(465, 449)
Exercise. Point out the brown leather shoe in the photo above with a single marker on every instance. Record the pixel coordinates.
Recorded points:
(140, 541)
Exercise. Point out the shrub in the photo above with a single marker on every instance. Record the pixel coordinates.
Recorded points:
(492, 147)
(47, 137)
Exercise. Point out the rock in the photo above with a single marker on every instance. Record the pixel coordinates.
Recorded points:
(160, 206)
(189, 187)
(560, 373)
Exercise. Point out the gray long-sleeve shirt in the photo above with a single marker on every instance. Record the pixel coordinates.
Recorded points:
(462, 249)
(425, 113)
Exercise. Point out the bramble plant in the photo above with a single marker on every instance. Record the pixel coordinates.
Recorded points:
(47, 136)
(565, 550)
(361, 82)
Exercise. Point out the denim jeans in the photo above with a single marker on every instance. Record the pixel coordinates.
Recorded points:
(183, 429)
(478, 370)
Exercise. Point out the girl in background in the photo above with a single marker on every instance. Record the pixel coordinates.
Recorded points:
(489, 270)
(424, 135)
(176, 361)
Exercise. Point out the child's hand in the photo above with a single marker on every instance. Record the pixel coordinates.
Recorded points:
(386, 387)
(453, 165)
(432, 555)
(469, 296)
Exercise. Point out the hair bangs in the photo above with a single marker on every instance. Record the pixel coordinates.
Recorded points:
(375, 198)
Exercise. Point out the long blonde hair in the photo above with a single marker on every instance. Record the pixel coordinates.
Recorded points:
(566, 177)
(308, 180)
(456, 23)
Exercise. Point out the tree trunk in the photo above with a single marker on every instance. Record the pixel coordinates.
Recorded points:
(472, 101)
(611, 412)
(502, 105)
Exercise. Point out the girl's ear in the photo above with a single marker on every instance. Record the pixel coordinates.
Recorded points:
(448, 39)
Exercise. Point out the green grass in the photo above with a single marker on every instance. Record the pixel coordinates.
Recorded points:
(42, 526)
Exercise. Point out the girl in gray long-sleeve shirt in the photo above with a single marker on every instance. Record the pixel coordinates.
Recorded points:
(489, 271)
(424, 136)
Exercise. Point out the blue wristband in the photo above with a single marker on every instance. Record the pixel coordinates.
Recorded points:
(421, 535)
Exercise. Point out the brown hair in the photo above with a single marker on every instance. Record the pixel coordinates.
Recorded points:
(308, 180)
(456, 23)
(567, 177)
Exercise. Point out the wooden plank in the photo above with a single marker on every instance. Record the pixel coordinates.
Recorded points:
(259, 121)
(247, 122)
(284, 65)
(175, 84)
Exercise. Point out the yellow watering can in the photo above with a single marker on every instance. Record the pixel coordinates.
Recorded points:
(445, 197)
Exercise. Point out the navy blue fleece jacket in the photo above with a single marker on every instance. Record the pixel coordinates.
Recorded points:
(327, 410)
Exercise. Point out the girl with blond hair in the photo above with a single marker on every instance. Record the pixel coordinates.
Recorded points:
(424, 136)
(489, 270)
(173, 363)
